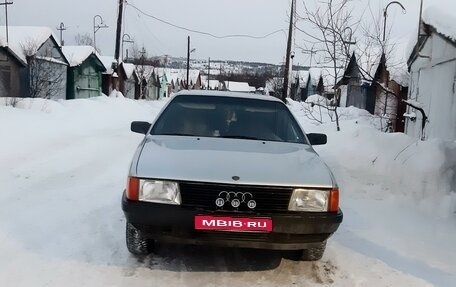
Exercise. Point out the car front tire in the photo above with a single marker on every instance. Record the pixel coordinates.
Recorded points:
(314, 253)
(137, 244)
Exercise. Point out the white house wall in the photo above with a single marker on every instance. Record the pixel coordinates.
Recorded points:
(432, 83)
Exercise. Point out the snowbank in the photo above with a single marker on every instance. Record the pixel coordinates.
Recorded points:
(421, 172)
(40, 122)
(317, 99)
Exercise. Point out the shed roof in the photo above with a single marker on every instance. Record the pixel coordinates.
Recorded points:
(25, 40)
(129, 69)
(76, 55)
(107, 62)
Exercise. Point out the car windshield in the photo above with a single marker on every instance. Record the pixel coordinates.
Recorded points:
(229, 117)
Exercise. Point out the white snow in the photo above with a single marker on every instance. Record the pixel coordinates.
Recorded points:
(317, 99)
(411, 115)
(63, 167)
(243, 87)
(25, 40)
(415, 103)
(303, 77)
(129, 69)
(213, 84)
(107, 62)
(116, 94)
(315, 75)
(442, 19)
(76, 55)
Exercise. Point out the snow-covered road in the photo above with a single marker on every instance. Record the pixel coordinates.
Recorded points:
(62, 173)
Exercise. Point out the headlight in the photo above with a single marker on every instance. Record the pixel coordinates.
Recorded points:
(158, 191)
(312, 200)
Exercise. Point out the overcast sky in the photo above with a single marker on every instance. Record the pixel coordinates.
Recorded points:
(219, 17)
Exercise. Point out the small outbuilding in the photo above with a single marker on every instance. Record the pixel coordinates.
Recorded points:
(84, 78)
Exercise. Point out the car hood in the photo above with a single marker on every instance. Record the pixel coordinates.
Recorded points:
(218, 160)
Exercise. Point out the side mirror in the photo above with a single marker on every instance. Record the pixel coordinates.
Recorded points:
(140, 127)
(317, 139)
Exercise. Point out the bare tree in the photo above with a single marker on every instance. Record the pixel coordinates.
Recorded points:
(377, 48)
(83, 39)
(330, 24)
(143, 70)
(44, 76)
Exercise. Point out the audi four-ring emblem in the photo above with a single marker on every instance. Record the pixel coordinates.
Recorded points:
(236, 199)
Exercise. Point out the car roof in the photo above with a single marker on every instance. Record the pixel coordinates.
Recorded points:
(227, 94)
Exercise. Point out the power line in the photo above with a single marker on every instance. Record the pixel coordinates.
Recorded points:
(202, 32)
(145, 25)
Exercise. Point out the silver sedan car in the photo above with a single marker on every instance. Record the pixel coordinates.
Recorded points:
(229, 169)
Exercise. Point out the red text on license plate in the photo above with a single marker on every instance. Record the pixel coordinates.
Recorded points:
(240, 224)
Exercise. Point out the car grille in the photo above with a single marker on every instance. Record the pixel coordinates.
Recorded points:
(204, 196)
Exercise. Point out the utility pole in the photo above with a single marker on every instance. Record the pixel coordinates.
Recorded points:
(119, 31)
(188, 62)
(209, 74)
(6, 18)
(61, 28)
(288, 56)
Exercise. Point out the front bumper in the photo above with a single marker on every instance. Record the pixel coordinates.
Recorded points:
(170, 223)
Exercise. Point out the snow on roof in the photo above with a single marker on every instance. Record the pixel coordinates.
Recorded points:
(213, 84)
(178, 74)
(193, 75)
(315, 74)
(330, 77)
(303, 77)
(239, 87)
(129, 69)
(174, 75)
(107, 62)
(443, 20)
(76, 55)
(145, 71)
(396, 62)
(24, 40)
(368, 59)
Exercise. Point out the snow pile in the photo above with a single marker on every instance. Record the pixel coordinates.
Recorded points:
(116, 94)
(318, 100)
(313, 116)
(40, 122)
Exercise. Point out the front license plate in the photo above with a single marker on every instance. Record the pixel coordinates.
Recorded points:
(235, 224)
